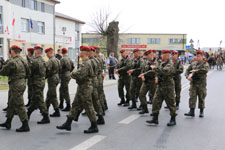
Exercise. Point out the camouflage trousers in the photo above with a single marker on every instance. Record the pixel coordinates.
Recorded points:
(197, 90)
(164, 92)
(37, 101)
(124, 82)
(101, 91)
(30, 87)
(83, 100)
(16, 101)
(51, 94)
(95, 97)
(135, 86)
(64, 88)
(146, 87)
(177, 81)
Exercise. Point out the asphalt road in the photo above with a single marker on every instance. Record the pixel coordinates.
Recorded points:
(127, 130)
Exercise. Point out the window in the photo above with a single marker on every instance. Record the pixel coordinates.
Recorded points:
(1, 47)
(33, 4)
(134, 41)
(1, 24)
(43, 46)
(153, 41)
(176, 41)
(24, 25)
(91, 40)
(23, 3)
(43, 7)
(23, 49)
(41, 27)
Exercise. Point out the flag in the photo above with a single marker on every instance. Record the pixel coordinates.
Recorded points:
(31, 24)
(7, 30)
(71, 39)
(13, 22)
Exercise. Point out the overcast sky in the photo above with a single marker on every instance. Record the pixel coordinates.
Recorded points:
(202, 20)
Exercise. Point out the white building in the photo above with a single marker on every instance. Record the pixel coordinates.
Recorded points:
(68, 34)
(26, 23)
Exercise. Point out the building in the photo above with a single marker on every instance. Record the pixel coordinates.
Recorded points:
(142, 41)
(26, 23)
(68, 34)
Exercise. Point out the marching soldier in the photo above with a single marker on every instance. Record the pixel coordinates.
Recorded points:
(17, 70)
(148, 77)
(83, 98)
(38, 74)
(67, 66)
(199, 70)
(30, 57)
(124, 79)
(165, 89)
(136, 82)
(53, 69)
(179, 69)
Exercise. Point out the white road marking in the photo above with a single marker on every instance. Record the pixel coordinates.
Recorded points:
(89, 142)
(129, 119)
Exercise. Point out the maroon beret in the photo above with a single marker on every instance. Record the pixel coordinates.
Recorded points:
(85, 48)
(200, 52)
(166, 51)
(95, 47)
(48, 50)
(30, 49)
(174, 52)
(15, 47)
(148, 52)
(154, 51)
(122, 50)
(38, 47)
(136, 50)
(64, 50)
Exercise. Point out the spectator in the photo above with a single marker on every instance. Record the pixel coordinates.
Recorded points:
(111, 62)
(58, 55)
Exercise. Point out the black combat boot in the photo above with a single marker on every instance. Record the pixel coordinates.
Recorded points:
(7, 124)
(154, 120)
(24, 127)
(127, 103)
(201, 115)
(29, 112)
(77, 116)
(56, 113)
(140, 107)
(144, 110)
(44, 120)
(133, 106)
(28, 104)
(66, 125)
(122, 101)
(92, 129)
(61, 104)
(190, 113)
(177, 106)
(67, 108)
(166, 107)
(100, 120)
(172, 122)
(5, 109)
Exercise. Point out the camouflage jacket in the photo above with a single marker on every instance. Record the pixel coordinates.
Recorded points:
(38, 68)
(149, 73)
(100, 64)
(84, 74)
(67, 65)
(123, 66)
(201, 74)
(137, 65)
(179, 69)
(53, 67)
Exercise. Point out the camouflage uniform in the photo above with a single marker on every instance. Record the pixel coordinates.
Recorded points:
(83, 97)
(124, 79)
(198, 84)
(95, 96)
(67, 67)
(53, 68)
(136, 82)
(38, 74)
(30, 82)
(177, 79)
(149, 83)
(17, 70)
(165, 88)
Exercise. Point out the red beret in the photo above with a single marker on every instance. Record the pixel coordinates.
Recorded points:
(38, 47)
(136, 50)
(200, 52)
(95, 47)
(85, 48)
(154, 51)
(122, 50)
(48, 49)
(30, 49)
(64, 50)
(148, 52)
(166, 51)
(15, 47)
(174, 52)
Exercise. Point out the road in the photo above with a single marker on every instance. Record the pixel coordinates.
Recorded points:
(127, 130)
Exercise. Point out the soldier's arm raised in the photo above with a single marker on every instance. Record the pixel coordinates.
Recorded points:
(7, 68)
(187, 72)
(204, 69)
(82, 73)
